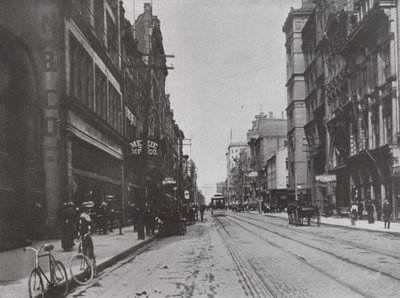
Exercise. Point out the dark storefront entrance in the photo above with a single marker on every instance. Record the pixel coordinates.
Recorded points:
(97, 176)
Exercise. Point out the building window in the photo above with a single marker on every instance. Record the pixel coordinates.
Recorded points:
(386, 60)
(101, 94)
(99, 19)
(81, 73)
(115, 109)
(112, 40)
(375, 128)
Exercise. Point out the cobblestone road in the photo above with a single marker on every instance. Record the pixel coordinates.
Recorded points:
(249, 255)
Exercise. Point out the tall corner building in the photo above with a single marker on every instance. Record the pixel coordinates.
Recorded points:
(296, 94)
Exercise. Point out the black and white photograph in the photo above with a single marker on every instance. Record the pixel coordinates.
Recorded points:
(199, 148)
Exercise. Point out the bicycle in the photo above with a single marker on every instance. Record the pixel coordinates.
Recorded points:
(82, 268)
(57, 274)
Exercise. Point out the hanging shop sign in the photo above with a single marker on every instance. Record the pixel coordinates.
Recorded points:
(325, 178)
(137, 146)
(169, 181)
(187, 195)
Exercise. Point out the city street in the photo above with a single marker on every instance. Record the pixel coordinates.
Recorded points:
(250, 255)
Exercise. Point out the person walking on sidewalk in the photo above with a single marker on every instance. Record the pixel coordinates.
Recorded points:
(387, 213)
(353, 213)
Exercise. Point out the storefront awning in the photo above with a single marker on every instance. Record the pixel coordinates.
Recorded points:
(95, 176)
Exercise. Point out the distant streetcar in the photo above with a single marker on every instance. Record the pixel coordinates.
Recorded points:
(218, 207)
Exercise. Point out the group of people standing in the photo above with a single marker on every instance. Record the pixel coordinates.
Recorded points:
(101, 217)
(167, 218)
(357, 210)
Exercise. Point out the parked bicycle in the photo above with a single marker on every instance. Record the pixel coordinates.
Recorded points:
(39, 282)
(82, 268)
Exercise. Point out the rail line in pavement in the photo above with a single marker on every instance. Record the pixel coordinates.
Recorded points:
(297, 230)
(343, 259)
(299, 258)
(253, 284)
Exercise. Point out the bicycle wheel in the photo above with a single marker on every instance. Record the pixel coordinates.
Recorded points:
(81, 269)
(35, 284)
(60, 278)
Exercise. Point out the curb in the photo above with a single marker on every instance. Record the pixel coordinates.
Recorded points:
(114, 259)
(390, 232)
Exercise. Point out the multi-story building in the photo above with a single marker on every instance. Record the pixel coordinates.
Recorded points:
(314, 128)
(372, 102)
(277, 176)
(296, 96)
(232, 158)
(72, 85)
(357, 44)
(267, 135)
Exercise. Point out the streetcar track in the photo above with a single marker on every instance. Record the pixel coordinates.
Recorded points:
(302, 260)
(254, 283)
(329, 238)
(346, 260)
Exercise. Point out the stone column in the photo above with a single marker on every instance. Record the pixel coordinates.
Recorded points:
(49, 29)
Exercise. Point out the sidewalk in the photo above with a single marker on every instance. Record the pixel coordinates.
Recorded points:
(16, 265)
(345, 222)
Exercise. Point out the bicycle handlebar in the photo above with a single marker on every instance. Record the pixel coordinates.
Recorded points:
(36, 250)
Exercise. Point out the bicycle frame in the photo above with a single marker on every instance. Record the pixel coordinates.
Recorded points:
(52, 261)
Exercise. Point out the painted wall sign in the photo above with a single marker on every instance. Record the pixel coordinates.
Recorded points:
(137, 146)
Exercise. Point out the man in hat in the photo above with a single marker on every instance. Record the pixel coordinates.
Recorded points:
(387, 213)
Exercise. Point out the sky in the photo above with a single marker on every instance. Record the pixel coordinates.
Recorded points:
(230, 64)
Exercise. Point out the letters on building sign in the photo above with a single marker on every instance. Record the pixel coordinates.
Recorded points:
(325, 178)
(152, 147)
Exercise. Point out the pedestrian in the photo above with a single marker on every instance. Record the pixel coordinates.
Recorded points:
(353, 213)
(202, 210)
(360, 206)
(370, 212)
(69, 226)
(101, 219)
(111, 219)
(147, 221)
(387, 213)
(85, 226)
